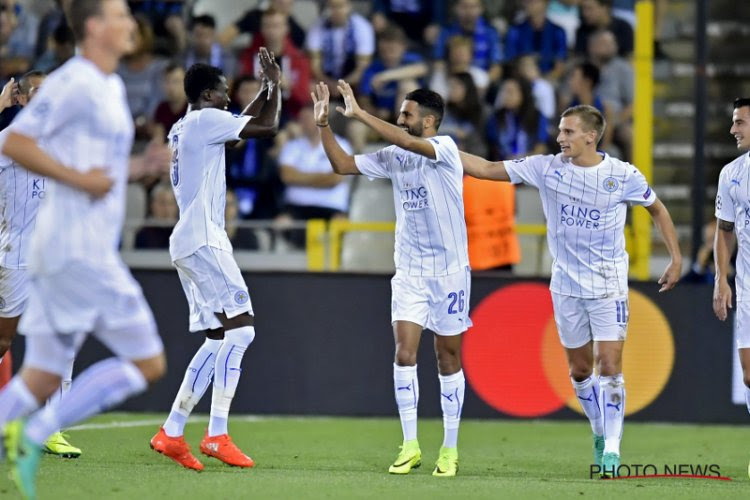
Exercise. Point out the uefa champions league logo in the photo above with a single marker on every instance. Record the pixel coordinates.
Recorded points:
(610, 184)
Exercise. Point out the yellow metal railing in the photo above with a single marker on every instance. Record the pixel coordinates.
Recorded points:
(643, 131)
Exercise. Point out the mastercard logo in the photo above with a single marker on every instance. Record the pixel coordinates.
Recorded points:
(514, 361)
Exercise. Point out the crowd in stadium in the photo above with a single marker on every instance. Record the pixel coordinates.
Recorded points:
(505, 69)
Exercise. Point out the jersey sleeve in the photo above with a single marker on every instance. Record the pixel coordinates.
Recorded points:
(219, 126)
(5, 162)
(637, 191)
(724, 203)
(375, 164)
(57, 104)
(446, 151)
(528, 170)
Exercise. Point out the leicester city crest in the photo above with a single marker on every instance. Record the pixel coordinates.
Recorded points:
(610, 184)
(241, 297)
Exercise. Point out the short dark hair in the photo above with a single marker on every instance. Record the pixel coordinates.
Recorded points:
(590, 72)
(430, 102)
(24, 83)
(201, 77)
(606, 3)
(78, 12)
(63, 34)
(741, 102)
(204, 20)
(392, 33)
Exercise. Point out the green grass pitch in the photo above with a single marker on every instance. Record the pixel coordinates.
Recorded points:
(348, 458)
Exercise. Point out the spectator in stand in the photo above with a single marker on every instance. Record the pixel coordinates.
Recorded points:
(167, 23)
(18, 32)
(341, 45)
(459, 60)
(62, 47)
(50, 21)
(487, 48)
(542, 90)
(142, 74)
(583, 83)
(242, 238)
(313, 190)
(464, 115)
(174, 106)
(597, 15)
(383, 79)
(420, 19)
(567, 15)
(162, 218)
(250, 23)
(517, 128)
(616, 87)
(538, 35)
(204, 47)
(295, 67)
(251, 171)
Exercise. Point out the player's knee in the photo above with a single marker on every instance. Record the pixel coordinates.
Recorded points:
(449, 362)
(608, 368)
(746, 379)
(579, 374)
(243, 336)
(5, 342)
(405, 357)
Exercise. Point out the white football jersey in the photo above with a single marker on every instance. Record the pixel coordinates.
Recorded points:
(733, 205)
(80, 117)
(198, 175)
(585, 208)
(430, 224)
(20, 193)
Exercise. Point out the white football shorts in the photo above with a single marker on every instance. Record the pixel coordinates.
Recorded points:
(439, 303)
(742, 324)
(213, 284)
(580, 321)
(14, 292)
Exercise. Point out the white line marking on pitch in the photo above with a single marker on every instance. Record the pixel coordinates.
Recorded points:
(150, 422)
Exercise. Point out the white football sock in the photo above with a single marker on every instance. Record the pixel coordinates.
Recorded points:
(227, 375)
(16, 401)
(197, 378)
(612, 398)
(406, 389)
(587, 392)
(747, 397)
(100, 387)
(65, 383)
(452, 389)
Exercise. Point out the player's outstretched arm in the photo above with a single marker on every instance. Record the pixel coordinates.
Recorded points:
(391, 133)
(341, 161)
(663, 222)
(723, 247)
(478, 167)
(26, 152)
(266, 123)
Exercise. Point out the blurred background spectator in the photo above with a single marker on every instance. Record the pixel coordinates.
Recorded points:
(487, 48)
(420, 19)
(174, 105)
(460, 59)
(162, 216)
(294, 64)
(250, 23)
(597, 15)
(516, 128)
(203, 47)
(313, 190)
(341, 45)
(464, 116)
(537, 35)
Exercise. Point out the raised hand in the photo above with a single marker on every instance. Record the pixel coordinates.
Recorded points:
(320, 104)
(352, 107)
(269, 67)
(6, 96)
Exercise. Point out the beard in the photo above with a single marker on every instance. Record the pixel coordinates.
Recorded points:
(416, 130)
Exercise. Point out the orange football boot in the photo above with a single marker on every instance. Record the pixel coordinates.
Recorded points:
(175, 448)
(224, 449)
